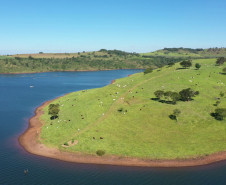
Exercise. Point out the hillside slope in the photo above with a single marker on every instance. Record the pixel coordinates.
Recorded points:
(188, 52)
(123, 120)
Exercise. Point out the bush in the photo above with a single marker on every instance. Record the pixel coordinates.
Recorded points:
(148, 70)
(66, 144)
(100, 152)
(173, 117)
(197, 65)
(120, 109)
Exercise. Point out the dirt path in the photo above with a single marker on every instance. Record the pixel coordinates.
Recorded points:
(113, 107)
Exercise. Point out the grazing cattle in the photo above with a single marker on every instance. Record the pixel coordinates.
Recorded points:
(101, 138)
(94, 138)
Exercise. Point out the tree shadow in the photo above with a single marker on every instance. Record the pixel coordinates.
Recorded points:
(163, 101)
(53, 117)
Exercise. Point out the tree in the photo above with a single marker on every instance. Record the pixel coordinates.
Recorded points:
(175, 96)
(186, 63)
(197, 65)
(167, 94)
(148, 70)
(54, 110)
(176, 113)
(187, 94)
(220, 61)
(159, 93)
(219, 114)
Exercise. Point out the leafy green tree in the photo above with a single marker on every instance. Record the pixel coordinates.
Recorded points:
(187, 94)
(167, 94)
(197, 65)
(220, 61)
(159, 93)
(148, 70)
(219, 114)
(54, 110)
(186, 63)
(175, 97)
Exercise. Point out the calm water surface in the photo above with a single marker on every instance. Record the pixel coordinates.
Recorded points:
(17, 104)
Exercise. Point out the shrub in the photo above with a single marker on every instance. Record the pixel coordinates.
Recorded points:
(120, 109)
(173, 117)
(66, 144)
(100, 152)
(197, 65)
(148, 70)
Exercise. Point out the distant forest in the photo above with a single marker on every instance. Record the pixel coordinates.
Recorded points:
(99, 60)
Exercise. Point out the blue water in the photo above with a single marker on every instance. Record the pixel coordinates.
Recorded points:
(17, 104)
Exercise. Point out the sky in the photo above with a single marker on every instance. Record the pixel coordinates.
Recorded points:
(31, 26)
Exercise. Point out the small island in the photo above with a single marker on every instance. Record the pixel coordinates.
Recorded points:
(171, 116)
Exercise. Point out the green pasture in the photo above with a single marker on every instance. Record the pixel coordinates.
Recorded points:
(143, 128)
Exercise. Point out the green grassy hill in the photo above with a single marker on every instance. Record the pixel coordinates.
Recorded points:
(130, 123)
(188, 52)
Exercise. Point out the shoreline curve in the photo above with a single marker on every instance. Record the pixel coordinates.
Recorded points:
(29, 141)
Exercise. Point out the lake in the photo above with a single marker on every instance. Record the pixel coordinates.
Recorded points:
(17, 104)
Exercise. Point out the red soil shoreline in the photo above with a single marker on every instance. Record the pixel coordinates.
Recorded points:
(29, 141)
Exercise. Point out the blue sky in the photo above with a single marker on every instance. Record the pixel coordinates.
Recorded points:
(129, 25)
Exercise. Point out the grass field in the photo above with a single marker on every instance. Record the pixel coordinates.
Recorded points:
(187, 52)
(143, 128)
